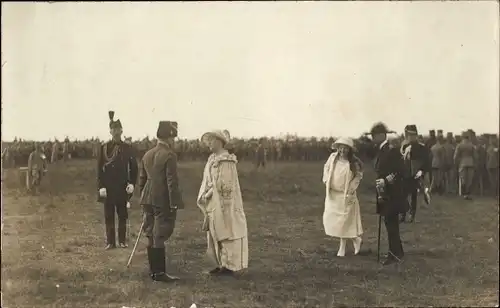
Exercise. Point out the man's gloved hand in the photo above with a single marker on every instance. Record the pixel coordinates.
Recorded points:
(390, 178)
(380, 182)
(128, 205)
(130, 188)
(102, 193)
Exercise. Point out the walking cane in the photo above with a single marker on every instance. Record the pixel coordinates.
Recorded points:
(378, 240)
(136, 241)
(459, 186)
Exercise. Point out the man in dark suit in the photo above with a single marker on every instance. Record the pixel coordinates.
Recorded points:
(390, 183)
(160, 198)
(416, 158)
(116, 178)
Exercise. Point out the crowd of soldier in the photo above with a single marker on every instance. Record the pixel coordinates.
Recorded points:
(443, 178)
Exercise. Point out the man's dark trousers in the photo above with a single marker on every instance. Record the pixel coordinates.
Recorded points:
(116, 201)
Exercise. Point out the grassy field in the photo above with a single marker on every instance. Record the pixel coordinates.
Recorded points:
(52, 249)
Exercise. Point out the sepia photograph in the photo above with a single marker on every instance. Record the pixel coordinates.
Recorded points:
(250, 154)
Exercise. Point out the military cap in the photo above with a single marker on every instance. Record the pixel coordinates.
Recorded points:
(112, 122)
(166, 129)
(379, 128)
(411, 129)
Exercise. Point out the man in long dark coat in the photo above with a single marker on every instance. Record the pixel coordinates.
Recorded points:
(390, 183)
(116, 178)
(160, 198)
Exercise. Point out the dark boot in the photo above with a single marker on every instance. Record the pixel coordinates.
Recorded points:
(159, 266)
(150, 260)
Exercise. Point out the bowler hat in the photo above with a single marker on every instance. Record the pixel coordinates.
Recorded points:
(112, 123)
(411, 129)
(166, 129)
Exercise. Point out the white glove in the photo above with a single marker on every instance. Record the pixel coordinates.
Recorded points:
(390, 178)
(102, 192)
(419, 174)
(379, 182)
(128, 205)
(130, 188)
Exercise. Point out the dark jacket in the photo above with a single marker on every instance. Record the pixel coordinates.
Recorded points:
(158, 180)
(116, 167)
(420, 159)
(389, 161)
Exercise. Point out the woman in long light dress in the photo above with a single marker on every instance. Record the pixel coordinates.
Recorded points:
(221, 203)
(341, 175)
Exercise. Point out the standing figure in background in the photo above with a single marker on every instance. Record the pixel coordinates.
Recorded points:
(492, 164)
(438, 153)
(342, 174)
(416, 159)
(116, 178)
(37, 167)
(391, 194)
(160, 198)
(480, 174)
(465, 158)
(220, 201)
(56, 148)
(66, 150)
(450, 172)
(260, 155)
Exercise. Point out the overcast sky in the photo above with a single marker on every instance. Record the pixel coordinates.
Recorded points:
(314, 68)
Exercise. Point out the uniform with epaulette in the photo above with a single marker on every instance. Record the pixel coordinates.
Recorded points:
(416, 158)
(160, 197)
(116, 178)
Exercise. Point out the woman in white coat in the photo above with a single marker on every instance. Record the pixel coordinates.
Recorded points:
(341, 175)
(221, 203)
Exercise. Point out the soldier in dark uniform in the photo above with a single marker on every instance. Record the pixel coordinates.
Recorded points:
(416, 158)
(160, 198)
(390, 183)
(116, 178)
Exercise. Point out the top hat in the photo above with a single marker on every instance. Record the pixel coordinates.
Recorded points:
(112, 123)
(380, 128)
(411, 129)
(166, 129)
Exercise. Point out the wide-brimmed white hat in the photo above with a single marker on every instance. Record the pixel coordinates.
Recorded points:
(345, 141)
(222, 135)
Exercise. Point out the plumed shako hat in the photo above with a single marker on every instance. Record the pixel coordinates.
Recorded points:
(112, 123)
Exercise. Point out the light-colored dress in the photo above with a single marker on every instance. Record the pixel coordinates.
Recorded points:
(225, 220)
(342, 216)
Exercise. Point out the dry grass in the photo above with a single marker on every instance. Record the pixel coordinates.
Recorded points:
(57, 239)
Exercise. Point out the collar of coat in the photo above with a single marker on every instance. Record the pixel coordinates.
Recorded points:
(223, 157)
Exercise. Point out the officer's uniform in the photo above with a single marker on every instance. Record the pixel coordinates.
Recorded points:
(160, 197)
(416, 157)
(450, 172)
(465, 158)
(116, 168)
(438, 164)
